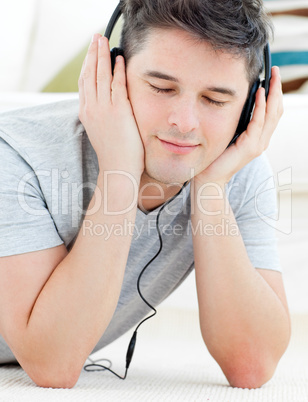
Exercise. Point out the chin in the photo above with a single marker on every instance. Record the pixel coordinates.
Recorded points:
(169, 174)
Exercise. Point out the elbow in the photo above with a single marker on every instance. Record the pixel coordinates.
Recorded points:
(50, 381)
(47, 366)
(250, 378)
(249, 374)
(249, 366)
(53, 376)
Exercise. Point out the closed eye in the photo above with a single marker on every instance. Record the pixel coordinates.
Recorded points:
(160, 90)
(169, 90)
(213, 102)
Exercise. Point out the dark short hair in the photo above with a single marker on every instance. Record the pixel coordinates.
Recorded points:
(239, 27)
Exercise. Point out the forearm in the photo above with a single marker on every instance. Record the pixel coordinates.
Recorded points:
(243, 321)
(77, 302)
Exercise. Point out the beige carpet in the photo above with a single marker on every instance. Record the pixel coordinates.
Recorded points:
(170, 364)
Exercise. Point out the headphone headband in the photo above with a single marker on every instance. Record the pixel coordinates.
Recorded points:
(113, 20)
(267, 53)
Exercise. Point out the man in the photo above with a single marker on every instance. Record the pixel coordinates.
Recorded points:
(71, 194)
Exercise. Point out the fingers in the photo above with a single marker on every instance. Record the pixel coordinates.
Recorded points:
(81, 86)
(274, 104)
(267, 113)
(255, 127)
(104, 75)
(90, 71)
(96, 82)
(119, 90)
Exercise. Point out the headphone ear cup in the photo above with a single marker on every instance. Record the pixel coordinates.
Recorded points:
(114, 52)
(247, 111)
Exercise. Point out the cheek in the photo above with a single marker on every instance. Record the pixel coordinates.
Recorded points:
(219, 128)
(149, 114)
(224, 122)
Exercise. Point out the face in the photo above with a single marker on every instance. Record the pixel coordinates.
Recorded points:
(187, 100)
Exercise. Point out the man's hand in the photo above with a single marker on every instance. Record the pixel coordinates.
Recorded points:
(252, 142)
(106, 112)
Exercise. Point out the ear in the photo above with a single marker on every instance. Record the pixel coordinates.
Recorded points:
(114, 52)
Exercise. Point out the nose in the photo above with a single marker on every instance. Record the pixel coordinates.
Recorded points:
(184, 115)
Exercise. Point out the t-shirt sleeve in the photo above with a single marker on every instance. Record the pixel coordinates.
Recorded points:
(253, 198)
(25, 222)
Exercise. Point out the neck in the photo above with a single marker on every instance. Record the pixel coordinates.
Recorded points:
(153, 193)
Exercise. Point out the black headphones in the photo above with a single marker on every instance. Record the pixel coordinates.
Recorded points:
(250, 102)
(116, 51)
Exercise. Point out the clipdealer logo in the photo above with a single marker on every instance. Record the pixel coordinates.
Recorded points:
(282, 184)
(65, 197)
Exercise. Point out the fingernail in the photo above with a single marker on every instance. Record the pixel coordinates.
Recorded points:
(278, 70)
(95, 37)
(101, 42)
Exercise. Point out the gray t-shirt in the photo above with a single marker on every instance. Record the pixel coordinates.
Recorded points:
(48, 173)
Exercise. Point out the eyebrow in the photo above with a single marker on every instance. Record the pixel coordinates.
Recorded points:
(222, 90)
(163, 76)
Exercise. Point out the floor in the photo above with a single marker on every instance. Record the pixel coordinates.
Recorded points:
(170, 363)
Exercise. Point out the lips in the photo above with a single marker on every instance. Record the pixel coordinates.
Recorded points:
(178, 148)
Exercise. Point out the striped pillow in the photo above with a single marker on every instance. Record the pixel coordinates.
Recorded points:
(290, 46)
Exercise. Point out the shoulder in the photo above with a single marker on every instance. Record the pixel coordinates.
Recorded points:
(42, 111)
(258, 169)
(42, 123)
(36, 129)
(254, 174)
(254, 182)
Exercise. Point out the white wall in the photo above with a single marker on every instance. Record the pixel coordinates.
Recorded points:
(38, 37)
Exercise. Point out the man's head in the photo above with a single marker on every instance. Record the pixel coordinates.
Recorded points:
(239, 27)
(188, 77)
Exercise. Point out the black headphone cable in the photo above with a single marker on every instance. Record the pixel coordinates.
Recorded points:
(94, 366)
